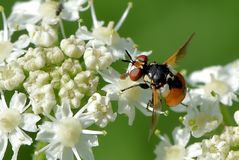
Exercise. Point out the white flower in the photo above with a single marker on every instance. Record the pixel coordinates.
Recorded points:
(233, 155)
(47, 11)
(233, 69)
(216, 81)
(87, 82)
(73, 47)
(203, 115)
(70, 93)
(108, 35)
(214, 149)
(11, 76)
(42, 36)
(101, 109)
(34, 59)
(67, 135)
(179, 150)
(11, 51)
(24, 13)
(231, 136)
(71, 9)
(13, 121)
(18, 48)
(34, 11)
(129, 99)
(42, 99)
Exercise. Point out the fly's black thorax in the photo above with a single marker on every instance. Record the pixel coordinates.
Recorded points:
(157, 74)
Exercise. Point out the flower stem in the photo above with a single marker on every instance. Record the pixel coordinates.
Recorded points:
(39, 156)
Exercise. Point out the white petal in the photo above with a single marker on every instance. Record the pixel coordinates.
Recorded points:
(110, 75)
(124, 108)
(69, 15)
(83, 34)
(67, 153)
(236, 117)
(47, 132)
(179, 108)
(206, 73)
(181, 136)
(3, 145)
(6, 48)
(29, 121)
(71, 9)
(18, 138)
(15, 153)
(24, 13)
(160, 148)
(85, 144)
(63, 111)
(54, 152)
(142, 107)
(228, 99)
(112, 91)
(22, 42)
(14, 55)
(194, 150)
(18, 102)
(86, 120)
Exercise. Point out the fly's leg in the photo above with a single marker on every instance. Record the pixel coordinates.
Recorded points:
(142, 85)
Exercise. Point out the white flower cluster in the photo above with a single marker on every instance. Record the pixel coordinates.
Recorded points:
(51, 78)
(213, 89)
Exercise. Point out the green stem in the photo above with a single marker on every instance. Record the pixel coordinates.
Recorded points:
(227, 116)
(40, 156)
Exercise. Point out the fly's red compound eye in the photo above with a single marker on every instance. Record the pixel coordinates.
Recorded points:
(142, 58)
(135, 74)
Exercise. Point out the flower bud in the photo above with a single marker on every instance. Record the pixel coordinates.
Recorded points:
(42, 36)
(54, 55)
(73, 47)
(33, 60)
(97, 58)
(11, 76)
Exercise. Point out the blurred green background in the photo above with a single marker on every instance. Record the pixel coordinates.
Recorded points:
(162, 26)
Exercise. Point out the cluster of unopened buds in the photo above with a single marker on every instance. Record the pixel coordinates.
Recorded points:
(49, 86)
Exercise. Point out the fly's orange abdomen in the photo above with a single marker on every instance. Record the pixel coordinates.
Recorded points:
(176, 94)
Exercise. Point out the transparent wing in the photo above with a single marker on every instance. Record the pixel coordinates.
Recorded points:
(179, 53)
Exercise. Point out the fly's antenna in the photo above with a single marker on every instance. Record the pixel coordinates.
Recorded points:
(127, 52)
(129, 61)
